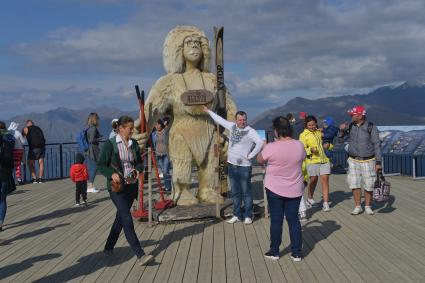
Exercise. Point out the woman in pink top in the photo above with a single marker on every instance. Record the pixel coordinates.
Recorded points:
(284, 186)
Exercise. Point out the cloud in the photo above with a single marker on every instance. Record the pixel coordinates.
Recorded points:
(285, 47)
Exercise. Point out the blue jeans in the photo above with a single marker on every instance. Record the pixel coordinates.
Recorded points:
(123, 220)
(92, 167)
(164, 164)
(279, 207)
(240, 184)
(3, 204)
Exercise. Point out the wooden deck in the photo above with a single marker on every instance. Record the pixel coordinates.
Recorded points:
(48, 239)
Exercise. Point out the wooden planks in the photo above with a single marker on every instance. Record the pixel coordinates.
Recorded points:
(48, 239)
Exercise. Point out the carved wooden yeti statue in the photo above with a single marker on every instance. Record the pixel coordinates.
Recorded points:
(187, 58)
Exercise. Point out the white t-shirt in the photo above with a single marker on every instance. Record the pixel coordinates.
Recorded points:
(244, 144)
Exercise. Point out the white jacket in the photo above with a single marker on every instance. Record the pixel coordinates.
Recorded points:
(19, 139)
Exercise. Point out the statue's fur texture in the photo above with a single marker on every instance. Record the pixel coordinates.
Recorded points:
(192, 131)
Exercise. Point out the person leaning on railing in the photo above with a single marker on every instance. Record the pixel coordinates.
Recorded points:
(121, 163)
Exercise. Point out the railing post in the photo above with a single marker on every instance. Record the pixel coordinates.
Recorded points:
(61, 160)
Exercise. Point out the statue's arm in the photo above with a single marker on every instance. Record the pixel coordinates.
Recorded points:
(159, 101)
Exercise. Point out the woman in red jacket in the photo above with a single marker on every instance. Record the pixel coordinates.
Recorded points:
(79, 175)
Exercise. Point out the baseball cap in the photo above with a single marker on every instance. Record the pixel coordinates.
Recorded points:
(357, 110)
(114, 121)
(303, 115)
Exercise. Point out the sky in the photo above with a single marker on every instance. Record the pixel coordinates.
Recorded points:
(80, 54)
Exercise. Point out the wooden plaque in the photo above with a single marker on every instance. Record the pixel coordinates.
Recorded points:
(197, 97)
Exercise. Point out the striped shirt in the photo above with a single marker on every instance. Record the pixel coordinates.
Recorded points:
(126, 155)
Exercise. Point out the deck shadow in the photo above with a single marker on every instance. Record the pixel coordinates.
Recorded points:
(56, 214)
(14, 268)
(321, 232)
(33, 233)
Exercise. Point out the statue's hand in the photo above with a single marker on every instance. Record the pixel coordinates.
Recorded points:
(141, 139)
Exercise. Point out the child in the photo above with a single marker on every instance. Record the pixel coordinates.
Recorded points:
(79, 175)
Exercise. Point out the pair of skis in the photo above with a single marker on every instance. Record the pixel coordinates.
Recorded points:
(221, 111)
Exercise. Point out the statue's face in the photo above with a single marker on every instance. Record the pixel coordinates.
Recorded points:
(192, 50)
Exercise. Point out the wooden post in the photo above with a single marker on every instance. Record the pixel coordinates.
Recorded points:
(149, 188)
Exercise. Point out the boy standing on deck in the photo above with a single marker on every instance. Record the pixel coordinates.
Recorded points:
(79, 175)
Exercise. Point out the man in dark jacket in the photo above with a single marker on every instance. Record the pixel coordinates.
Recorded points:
(7, 183)
(365, 156)
(37, 149)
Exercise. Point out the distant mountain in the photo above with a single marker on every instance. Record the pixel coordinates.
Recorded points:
(402, 105)
(62, 124)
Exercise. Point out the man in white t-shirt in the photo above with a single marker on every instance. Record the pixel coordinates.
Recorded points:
(244, 144)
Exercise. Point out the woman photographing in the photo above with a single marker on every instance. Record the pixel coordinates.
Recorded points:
(120, 162)
(284, 185)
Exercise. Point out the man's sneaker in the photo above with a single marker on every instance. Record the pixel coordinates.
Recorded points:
(326, 207)
(357, 210)
(247, 221)
(92, 190)
(77, 204)
(303, 216)
(84, 203)
(310, 202)
(368, 210)
(296, 257)
(144, 260)
(34, 181)
(270, 255)
(40, 180)
(232, 220)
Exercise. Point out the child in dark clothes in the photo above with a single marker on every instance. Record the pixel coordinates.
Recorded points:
(79, 175)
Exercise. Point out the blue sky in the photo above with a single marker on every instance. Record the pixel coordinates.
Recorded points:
(90, 53)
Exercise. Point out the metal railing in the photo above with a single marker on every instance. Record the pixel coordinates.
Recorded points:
(58, 159)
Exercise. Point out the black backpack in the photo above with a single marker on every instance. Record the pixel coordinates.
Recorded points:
(7, 143)
(35, 137)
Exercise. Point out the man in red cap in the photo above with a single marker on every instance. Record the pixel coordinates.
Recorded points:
(364, 151)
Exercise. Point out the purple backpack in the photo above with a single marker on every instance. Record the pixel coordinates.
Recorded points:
(381, 191)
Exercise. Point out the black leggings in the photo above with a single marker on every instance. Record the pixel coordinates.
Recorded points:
(81, 189)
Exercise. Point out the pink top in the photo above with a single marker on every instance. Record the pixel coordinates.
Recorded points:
(284, 167)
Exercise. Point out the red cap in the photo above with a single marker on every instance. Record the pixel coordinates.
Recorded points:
(303, 115)
(357, 110)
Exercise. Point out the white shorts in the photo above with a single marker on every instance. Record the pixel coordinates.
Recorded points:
(319, 169)
(361, 172)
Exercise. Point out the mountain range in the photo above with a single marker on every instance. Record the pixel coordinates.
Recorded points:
(63, 124)
(385, 106)
(401, 105)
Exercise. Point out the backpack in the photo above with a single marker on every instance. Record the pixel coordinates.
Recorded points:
(35, 137)
(82, 141)
(7, 143)
(369, 127)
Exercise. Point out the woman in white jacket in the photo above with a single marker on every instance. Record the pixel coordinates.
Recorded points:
(18, 150)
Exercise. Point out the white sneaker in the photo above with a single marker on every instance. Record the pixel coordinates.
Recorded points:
(357, 210)
(326, 207)
(303, 216)
(247, 221)
(310, 202)
(368, 210)
(232, 220)
(90, 190)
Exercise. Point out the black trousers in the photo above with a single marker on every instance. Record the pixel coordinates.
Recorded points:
(123, 220)
(81, 189)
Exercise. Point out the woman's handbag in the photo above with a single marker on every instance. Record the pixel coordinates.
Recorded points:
(117, 186)
(381, 190)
